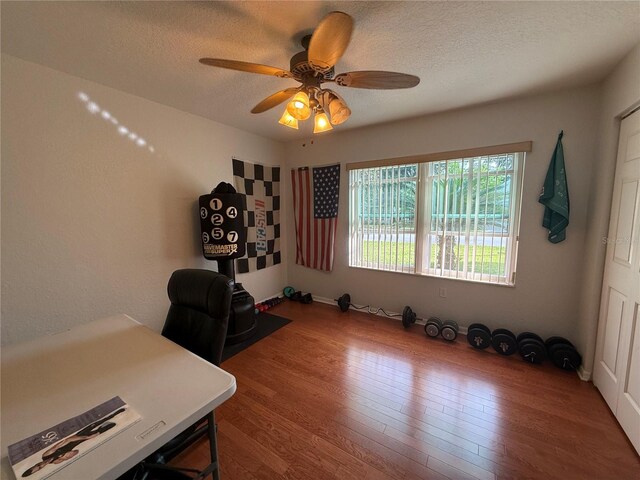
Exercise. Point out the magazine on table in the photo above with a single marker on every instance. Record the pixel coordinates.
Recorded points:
(41, 455)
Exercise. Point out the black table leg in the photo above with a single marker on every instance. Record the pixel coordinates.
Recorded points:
(213, 446)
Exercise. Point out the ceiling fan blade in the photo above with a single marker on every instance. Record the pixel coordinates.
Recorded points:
(247, 67)
(275, 99)
(329, 40)
(376, 79)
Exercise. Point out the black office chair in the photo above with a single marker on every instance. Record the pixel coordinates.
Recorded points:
(197, 320)
(199, 313)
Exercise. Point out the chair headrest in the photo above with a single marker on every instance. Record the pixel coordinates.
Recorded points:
(200, 290)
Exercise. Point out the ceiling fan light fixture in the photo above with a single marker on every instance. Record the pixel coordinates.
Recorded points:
(339, 111)
(321, 122)
(288, 121)
(299, 107)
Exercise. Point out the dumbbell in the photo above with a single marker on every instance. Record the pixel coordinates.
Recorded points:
(532, 348)
(408, 317)
(504, 341)
(344, 301)
(448, 329)
(301, 297)
(288, 291)
(479, 336)
(433, 327)
(562, 353)
(306, 298)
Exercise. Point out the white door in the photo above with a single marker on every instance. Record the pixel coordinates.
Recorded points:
(617, 367)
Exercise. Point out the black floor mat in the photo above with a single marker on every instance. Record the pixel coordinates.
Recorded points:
(266, 325)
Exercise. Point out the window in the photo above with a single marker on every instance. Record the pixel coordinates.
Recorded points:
(455, 218)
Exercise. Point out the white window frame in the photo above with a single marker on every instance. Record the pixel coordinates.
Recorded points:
(423, 233)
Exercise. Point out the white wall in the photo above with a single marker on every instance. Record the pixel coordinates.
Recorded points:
(545, 298)
(92, 224)
(620, 92)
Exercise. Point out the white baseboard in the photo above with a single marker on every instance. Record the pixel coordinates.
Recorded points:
(328, 301)
(584, 375)
(277, 294)
(419, 321)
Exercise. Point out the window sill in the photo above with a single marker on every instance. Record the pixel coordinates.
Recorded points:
(478, 282)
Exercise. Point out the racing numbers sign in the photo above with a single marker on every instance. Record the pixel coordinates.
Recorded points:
(222, 226)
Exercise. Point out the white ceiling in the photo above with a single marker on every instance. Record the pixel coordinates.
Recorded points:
(465, 53)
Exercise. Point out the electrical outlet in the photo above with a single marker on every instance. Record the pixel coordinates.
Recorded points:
(443, 292)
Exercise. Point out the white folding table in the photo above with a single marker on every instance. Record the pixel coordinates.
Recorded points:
(51, 379)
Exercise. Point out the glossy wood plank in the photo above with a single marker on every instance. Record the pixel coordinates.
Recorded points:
(353, 396)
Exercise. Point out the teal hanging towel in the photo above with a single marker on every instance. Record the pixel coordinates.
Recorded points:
(555, 196)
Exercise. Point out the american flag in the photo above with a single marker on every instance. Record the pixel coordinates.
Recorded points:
(315, 206)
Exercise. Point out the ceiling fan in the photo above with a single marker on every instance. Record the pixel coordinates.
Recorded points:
(314, 67)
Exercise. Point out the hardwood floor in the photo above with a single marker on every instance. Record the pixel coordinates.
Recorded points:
(351, 396)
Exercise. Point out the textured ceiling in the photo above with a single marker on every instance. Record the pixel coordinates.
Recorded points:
(464, 52)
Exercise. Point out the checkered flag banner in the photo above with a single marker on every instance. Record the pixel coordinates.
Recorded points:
(260, 187)
(315, 206)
